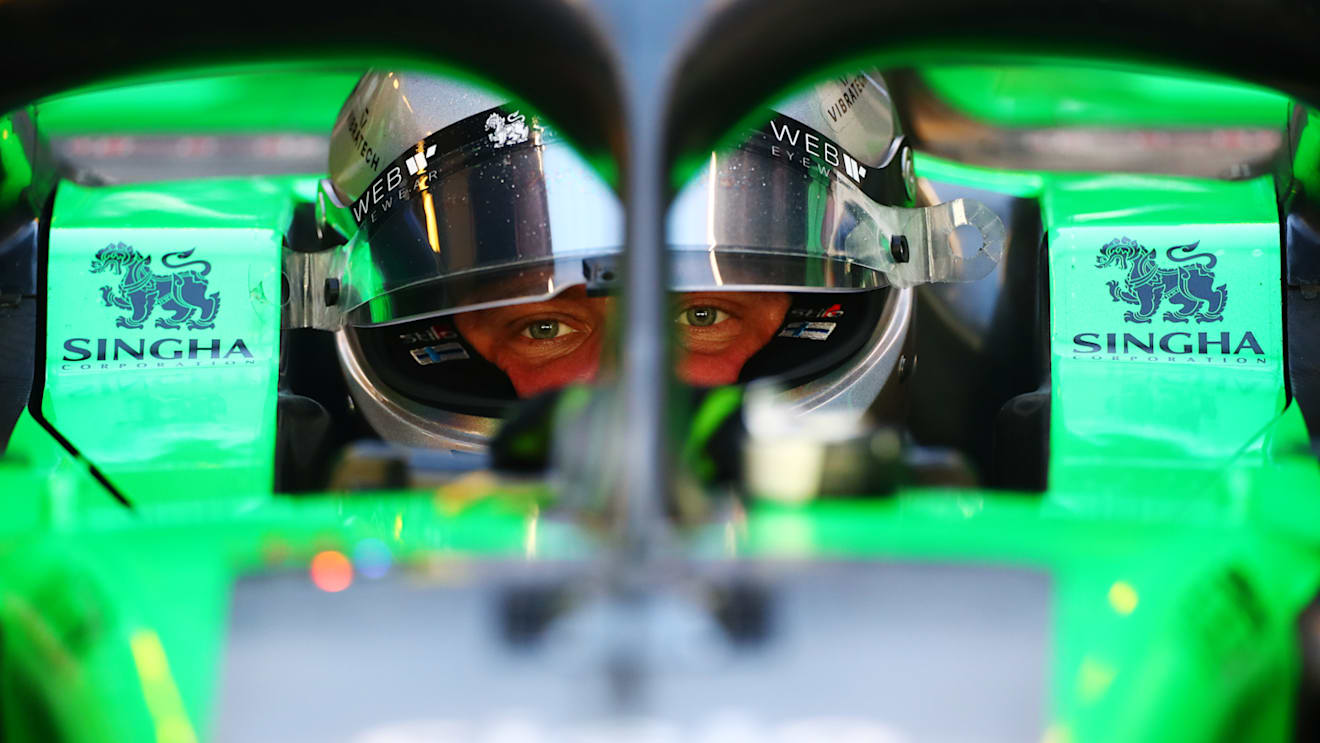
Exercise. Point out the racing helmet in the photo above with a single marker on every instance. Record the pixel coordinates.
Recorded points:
(453, 200)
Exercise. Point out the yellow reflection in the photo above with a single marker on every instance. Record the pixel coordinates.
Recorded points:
(398, 525)
(1057, 733)
(4, 134)
(159, 690)
(453, 498)
(529, 539)
(1094, 678)
(431, 235)
(396, 84)
(1123, 597)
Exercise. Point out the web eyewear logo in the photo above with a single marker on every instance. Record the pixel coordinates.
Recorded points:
(1147, 283)
(417, 163)
(794, 142)
(855, 169)
(140, 291)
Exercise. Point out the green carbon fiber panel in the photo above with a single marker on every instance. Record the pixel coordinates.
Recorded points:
(1050, 95)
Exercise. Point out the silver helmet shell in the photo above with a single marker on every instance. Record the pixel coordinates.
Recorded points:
(390, 113)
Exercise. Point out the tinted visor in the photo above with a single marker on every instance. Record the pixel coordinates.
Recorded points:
(492, 210)
(790, 209)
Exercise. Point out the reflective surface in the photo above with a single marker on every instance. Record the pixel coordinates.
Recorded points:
(765, 220)
(511, 226)
(1150, 592)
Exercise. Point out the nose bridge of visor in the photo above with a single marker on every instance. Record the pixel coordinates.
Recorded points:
(492, 210)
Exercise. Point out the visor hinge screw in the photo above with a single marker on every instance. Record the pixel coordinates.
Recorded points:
(898, 248)
(331, 292)
(905, 368)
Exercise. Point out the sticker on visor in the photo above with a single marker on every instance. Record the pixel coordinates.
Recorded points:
(472, 139)
(439, 354)
(432, 333)
(814, 331)
(793, 142)
(834, 310)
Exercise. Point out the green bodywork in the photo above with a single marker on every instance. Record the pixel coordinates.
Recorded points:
(1049, 95)
(296, 101)
(198, 403)
(1180, 530)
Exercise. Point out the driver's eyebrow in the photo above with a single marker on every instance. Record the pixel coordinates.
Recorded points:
(508, 313)
(524, 309)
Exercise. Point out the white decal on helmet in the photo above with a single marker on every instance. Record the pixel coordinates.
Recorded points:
(506, 131)
(417, 163)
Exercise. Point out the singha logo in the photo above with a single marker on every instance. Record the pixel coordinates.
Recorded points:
(1147, 284)
(141, 290)
(506, 131)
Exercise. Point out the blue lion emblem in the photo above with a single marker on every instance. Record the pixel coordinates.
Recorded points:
(1147, 284)
(141, 290)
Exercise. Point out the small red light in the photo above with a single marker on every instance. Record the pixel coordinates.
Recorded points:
(331, 571)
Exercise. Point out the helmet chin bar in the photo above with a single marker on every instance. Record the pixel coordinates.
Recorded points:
(405, 421)
(850, 390)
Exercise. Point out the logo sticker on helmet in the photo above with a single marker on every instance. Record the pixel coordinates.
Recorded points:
(357, 123)
(815, 331)
(433, 333)
(507, 130)
(439, 354)
(417, 163)
(796, 142)
(423, 165)
(838, 100)
(834, 310)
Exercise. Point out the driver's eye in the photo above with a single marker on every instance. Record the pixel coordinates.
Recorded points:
(546, 329)
(702, 316)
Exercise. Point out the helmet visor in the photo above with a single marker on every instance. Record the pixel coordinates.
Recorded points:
(492, 210)
(790, 209)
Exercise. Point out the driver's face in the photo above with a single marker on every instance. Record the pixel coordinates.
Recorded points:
(544, 345)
